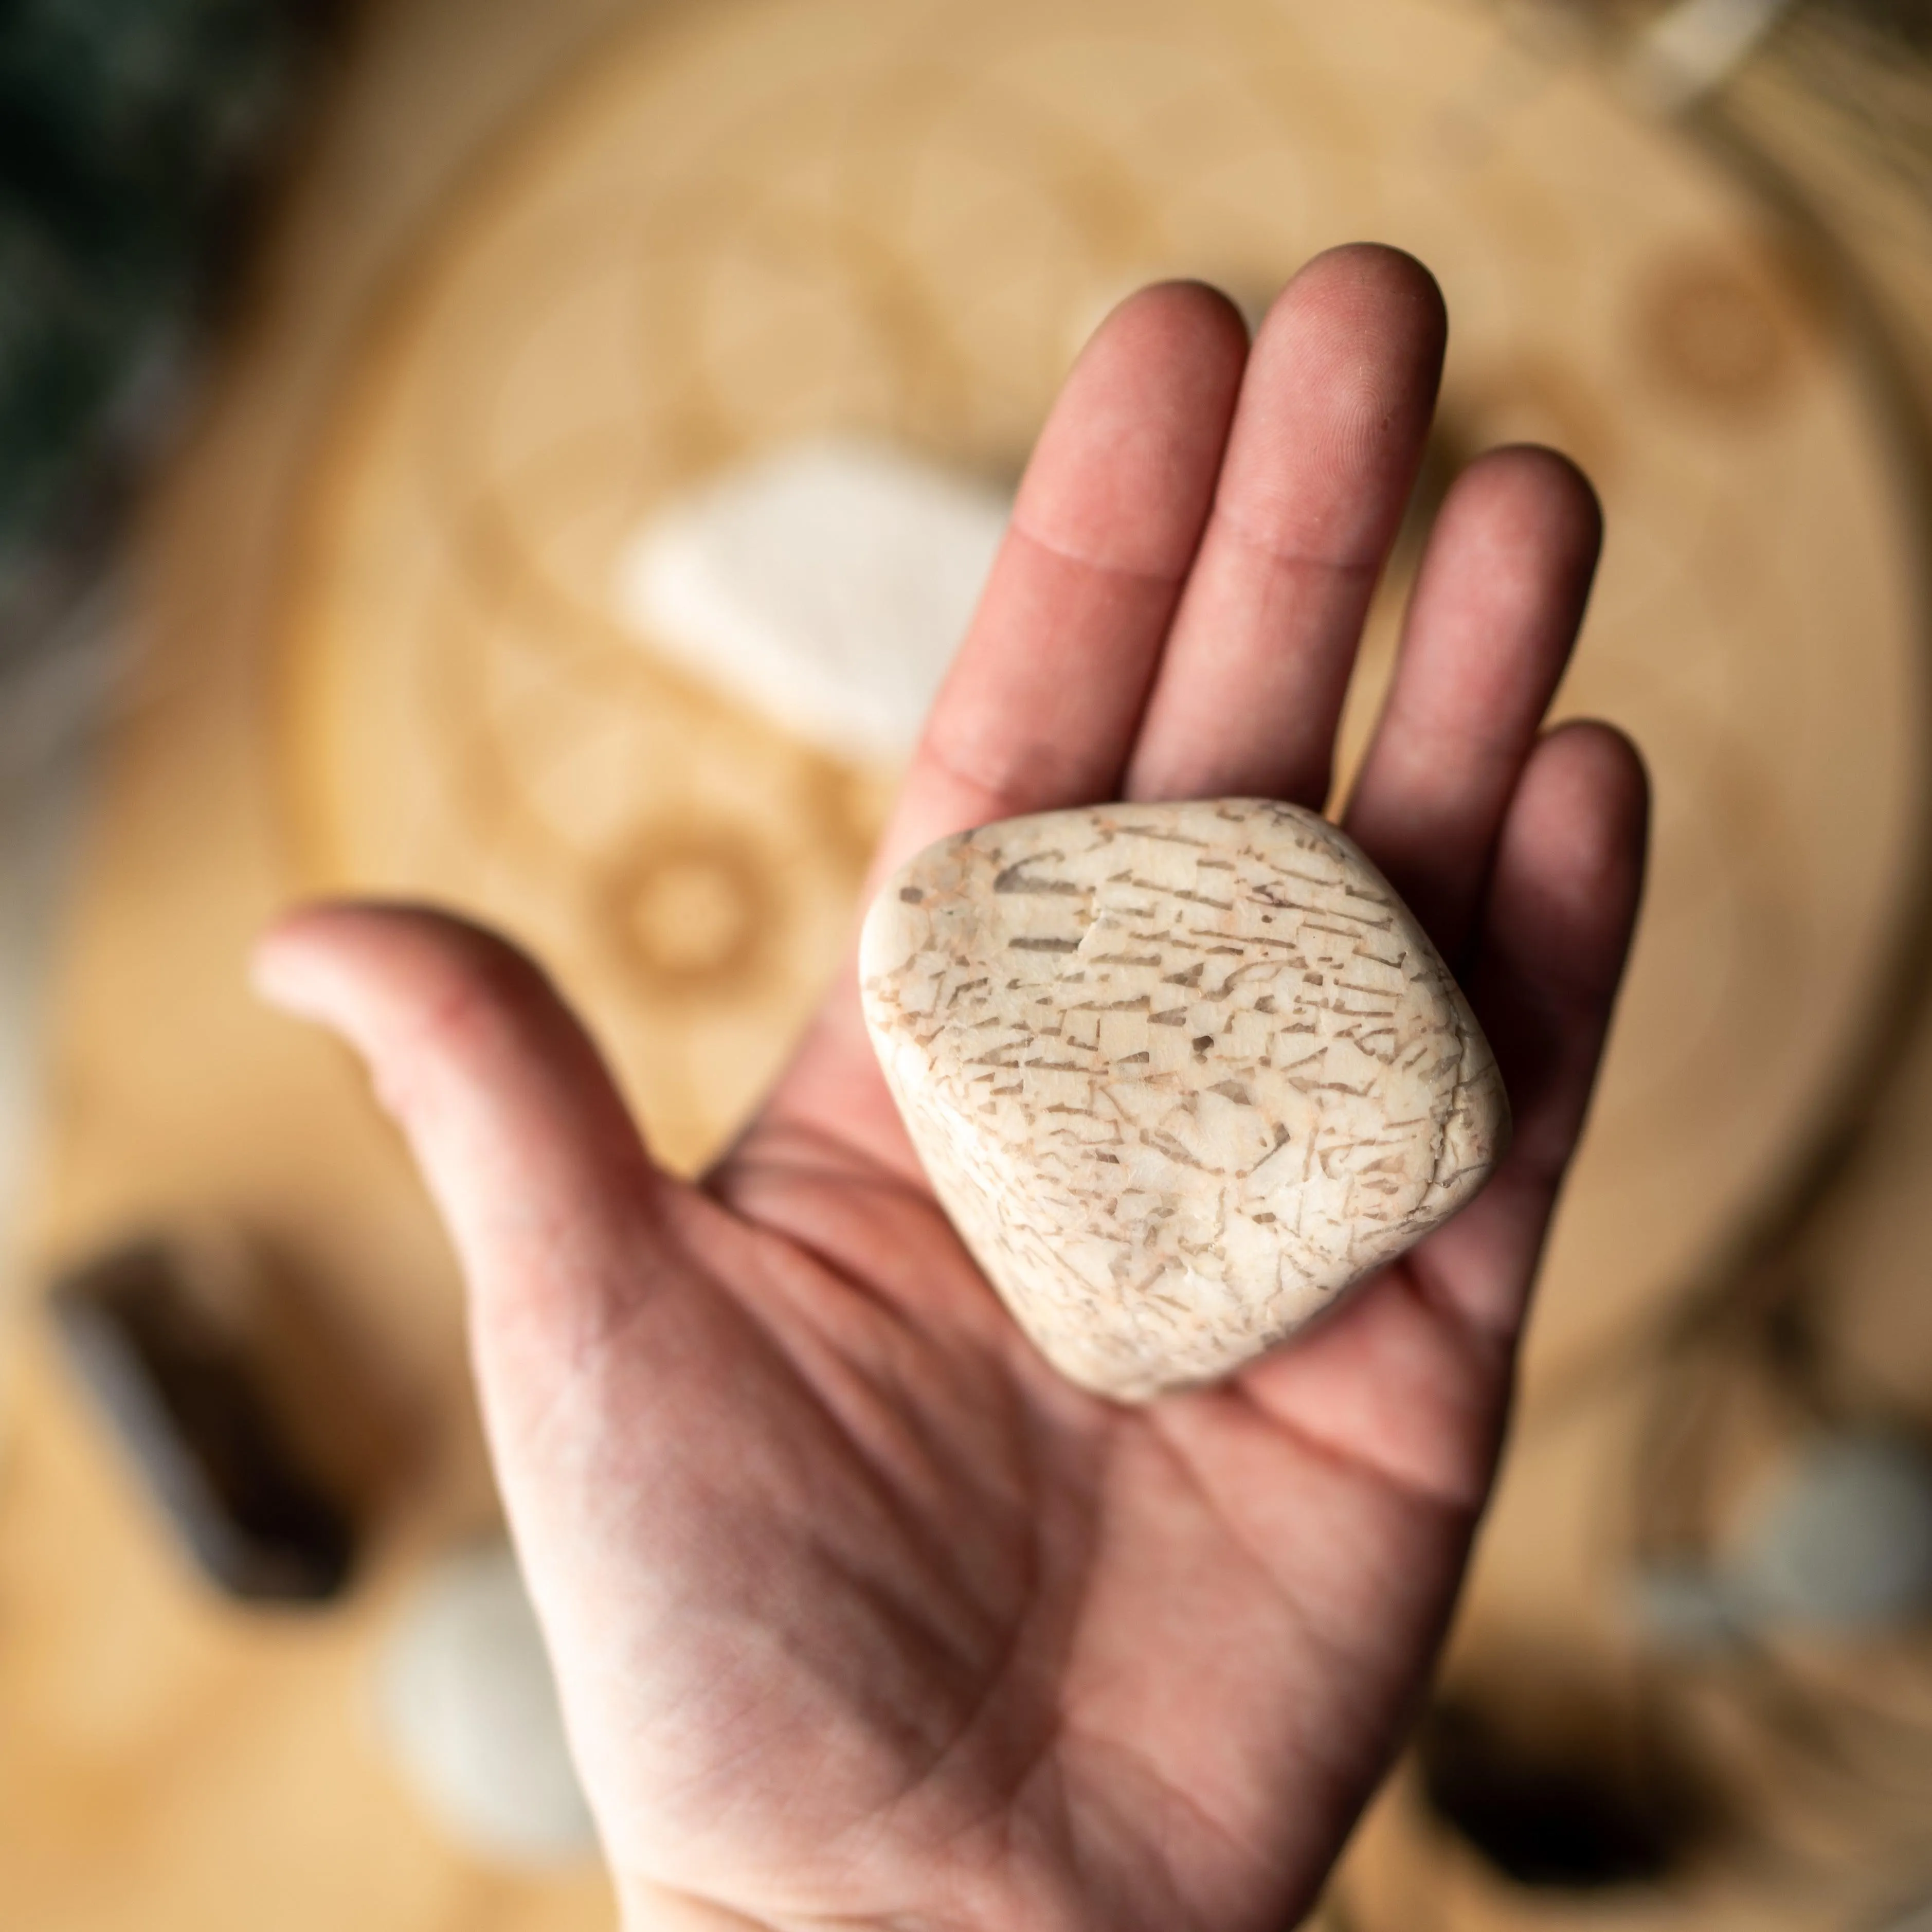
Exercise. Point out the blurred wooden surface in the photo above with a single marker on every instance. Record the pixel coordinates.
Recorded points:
(509, 308)
(167, 1763)
(752, 223)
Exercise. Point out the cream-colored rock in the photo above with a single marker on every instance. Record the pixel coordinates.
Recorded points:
(1181, 1074)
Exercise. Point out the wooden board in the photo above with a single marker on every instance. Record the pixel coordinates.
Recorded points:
(508, 313)
(755, 222)
(168, 1764)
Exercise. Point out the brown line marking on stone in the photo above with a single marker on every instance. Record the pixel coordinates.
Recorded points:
(1013, 878)
(1252, 938)
(1165, 1144)
(1289, 872)
(1024, 945)
(1354, 919)
(1166, 838)
(1248, 1173)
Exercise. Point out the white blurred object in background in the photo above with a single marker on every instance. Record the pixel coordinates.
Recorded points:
(1843, 1541)
(1693, 47)
(1837, 1544)
(827, 586)
(469, 1708)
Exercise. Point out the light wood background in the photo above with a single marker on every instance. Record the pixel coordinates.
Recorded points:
(520, 297)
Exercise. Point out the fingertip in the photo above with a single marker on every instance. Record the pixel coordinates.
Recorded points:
(1363, 284)
(308, 960)
(1180, 313)
(1335, 404)
(272, 978)
(1570, 869)
(287, 964)
(282, 967)
(1589, 786)
(391, 976)
(1513, 553)
(1605, 757)
(1500, 598)
(1124, 470)
(1533, 498)
(521, 1132)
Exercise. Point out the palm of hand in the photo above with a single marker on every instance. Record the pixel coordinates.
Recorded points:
(861, 1614)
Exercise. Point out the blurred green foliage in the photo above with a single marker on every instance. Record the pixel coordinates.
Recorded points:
(129, 132)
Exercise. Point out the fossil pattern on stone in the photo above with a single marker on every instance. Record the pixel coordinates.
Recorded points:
(1181, 1074)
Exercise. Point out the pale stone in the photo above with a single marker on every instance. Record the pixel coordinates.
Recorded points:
(469, 1710)
(825, 585)
(1181, 1074)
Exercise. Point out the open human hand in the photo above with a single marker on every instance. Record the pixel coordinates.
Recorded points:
(860, 1615)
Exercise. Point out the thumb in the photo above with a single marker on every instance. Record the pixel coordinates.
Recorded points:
(524, 1142)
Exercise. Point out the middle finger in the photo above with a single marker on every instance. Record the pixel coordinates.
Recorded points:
(1327, 438)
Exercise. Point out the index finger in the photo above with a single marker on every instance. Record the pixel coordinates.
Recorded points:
(1042, 702)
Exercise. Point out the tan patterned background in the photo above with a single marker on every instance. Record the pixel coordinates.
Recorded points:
(506, 319)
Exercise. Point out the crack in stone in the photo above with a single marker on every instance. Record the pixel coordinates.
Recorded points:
(1146, 1148)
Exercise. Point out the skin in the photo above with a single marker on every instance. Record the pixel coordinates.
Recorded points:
(860, 1615)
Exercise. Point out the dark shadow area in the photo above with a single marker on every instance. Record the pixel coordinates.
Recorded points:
(1553, 1782)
